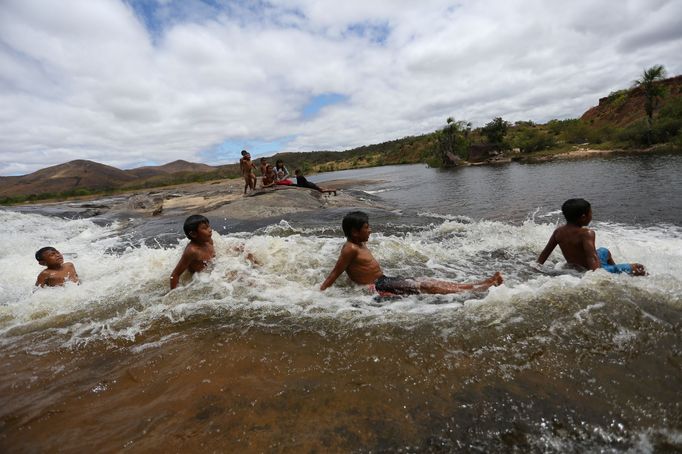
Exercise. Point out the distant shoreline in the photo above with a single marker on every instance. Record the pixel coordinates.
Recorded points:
(234, 186)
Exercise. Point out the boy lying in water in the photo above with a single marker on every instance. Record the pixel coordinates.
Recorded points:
(577, 242)
(362, 268)
(57, 271)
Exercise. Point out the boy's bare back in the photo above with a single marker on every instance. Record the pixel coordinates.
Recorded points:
(577, 244)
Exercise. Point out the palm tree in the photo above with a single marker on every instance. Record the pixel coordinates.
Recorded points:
(652, 92)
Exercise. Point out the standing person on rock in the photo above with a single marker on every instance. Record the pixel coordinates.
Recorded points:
(247, 167)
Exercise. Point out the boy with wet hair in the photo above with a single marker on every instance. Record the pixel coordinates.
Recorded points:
(199, 252)
(362, 268)
(57, 271)
(577, 242)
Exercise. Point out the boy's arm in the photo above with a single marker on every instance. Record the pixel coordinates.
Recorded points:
(551, 244)
(42, 279)
(590, 250)
(180, 268)
(348, 253)
(72, 274)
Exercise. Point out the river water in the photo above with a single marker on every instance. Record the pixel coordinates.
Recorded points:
(254, 358)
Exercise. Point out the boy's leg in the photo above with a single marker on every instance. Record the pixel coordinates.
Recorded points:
(435, 286)
(604, 256)
(606, 261)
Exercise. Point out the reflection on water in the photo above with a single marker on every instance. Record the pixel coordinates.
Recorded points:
(254, 358)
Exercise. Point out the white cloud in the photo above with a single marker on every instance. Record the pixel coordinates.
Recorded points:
(97, 80)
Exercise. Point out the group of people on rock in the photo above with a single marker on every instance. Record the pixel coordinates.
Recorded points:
(273, 176)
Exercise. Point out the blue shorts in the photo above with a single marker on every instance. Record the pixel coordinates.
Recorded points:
(603, 255)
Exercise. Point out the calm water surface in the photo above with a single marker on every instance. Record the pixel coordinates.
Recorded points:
(635, 190)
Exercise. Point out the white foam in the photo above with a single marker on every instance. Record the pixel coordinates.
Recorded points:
(125, 293)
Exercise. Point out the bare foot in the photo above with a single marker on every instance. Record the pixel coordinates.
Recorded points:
(496, 280)
(638, 269)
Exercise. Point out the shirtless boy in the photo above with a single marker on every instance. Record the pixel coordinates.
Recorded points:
(57, 272)
(199, 252)
(577, 242)
(362, 268)
(247, 167)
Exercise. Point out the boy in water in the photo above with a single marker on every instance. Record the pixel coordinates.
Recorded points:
(362, 268)
(57, 272)
(247, 167)
(577, 242)
(199, 252)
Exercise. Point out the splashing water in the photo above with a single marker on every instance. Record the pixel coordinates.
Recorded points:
(570, 339)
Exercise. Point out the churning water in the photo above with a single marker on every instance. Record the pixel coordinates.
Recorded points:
(254, 357)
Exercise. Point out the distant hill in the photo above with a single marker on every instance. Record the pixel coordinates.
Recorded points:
(81, 177)
(179, 166)
(625, 107)
(73, 175)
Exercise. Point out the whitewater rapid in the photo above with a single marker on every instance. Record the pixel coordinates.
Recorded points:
(124, 286)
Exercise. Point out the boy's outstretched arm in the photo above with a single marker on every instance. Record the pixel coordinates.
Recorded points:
(346, 257)
(180, 268)
(551, 244)
(590, 250)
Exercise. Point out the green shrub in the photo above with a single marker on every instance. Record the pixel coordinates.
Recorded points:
(532, 139)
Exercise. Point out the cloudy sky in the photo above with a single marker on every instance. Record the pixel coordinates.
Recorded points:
(144, 82)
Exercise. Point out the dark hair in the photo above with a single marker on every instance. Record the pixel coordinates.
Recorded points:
(278, 162)
(574, 208)
(353, 221)
(244, 152)
(42, 250)
(297, 171)
(263, 159)
(192, 223)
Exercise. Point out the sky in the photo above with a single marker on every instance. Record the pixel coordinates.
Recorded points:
(145, 82)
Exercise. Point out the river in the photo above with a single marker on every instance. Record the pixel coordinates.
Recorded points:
(254, 358)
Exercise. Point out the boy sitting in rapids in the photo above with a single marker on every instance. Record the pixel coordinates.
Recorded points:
(57, 272)
(199, 252)
(577, 242)
(362, 268)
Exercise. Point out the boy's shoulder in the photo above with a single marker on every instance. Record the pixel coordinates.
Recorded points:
(351, 246)
(570, 230)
